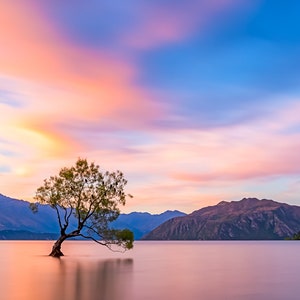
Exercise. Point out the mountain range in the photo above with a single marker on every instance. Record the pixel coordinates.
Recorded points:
(141, 223)
(247, 219)
(17, 221)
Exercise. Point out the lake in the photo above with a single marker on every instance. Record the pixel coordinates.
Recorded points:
(152, 270)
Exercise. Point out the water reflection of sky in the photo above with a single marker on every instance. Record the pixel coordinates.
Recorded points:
(26, 276)
(104, 279)
(191, 270)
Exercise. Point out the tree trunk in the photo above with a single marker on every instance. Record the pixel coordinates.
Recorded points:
(56, 249)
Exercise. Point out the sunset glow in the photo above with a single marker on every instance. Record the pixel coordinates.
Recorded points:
(195, 101)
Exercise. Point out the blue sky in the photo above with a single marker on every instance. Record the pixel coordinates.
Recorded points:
(195, 101)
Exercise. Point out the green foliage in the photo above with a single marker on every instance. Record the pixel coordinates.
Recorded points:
(126, 237)
(33, 207)
(90, 195)
(296, 236)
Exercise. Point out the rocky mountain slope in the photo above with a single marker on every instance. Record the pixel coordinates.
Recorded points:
(247, 219)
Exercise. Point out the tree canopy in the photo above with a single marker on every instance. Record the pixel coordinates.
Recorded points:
(93, 197)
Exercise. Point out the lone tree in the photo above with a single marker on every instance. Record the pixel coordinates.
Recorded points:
(92, 197)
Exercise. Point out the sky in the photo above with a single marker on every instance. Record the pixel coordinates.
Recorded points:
(195, 101)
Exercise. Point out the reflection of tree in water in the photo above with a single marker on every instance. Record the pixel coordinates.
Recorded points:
(101, 280)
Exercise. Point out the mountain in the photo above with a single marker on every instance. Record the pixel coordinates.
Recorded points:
(247, 219)
(17, 221)
(142, 223)
(26, 235)
(16, 215)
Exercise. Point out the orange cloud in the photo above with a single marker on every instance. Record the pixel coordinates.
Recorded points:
(257, 155)
(69, 82)
(58, 86)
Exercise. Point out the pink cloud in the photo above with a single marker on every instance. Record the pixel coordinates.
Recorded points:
(59, 85)
(32, 50)
(56, 85)
(160, 24)
(263, 155)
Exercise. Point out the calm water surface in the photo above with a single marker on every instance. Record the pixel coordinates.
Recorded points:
(152, 270)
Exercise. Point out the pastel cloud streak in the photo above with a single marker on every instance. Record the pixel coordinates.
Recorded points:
(33, 52)
(165, 22)
(134, 96)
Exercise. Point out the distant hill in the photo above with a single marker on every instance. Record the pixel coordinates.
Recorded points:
(17, 221)
(16, 215)
(26, 235)
(142, 223)
(247, 219)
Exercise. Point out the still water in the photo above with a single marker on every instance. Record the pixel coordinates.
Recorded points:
(152, 270)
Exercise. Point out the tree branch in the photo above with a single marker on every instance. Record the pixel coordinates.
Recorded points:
(58, 216)
(93, 230)
(106, 244)
(90, 212)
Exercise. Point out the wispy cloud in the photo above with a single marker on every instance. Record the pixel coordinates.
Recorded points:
(183, 96)
(163, 22)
